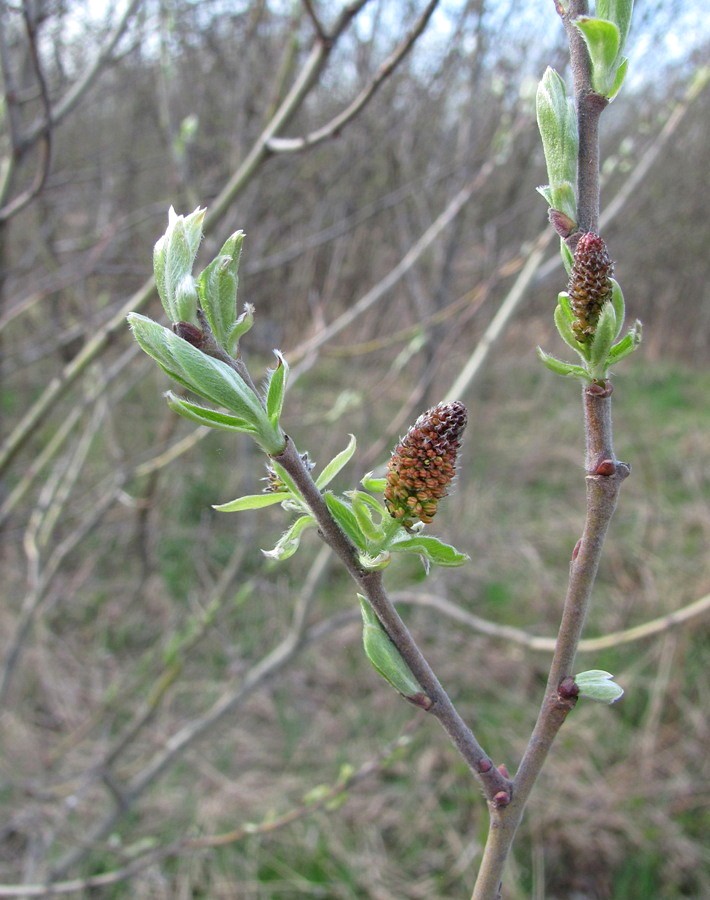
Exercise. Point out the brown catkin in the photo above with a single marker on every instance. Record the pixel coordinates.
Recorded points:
(423, 464)
(589, 284)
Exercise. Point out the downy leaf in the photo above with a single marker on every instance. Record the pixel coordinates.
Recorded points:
(289, 541)
(386, 658)
(345, 517)
(337, 463)
(217, 285)
(598, 685)
(276, 389)
(202, 415)
(252, 501)
(431, 548)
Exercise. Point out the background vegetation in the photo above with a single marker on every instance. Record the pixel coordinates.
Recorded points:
(131, 610)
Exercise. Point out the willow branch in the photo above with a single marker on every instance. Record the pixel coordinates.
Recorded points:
(337, 123)
(677, 618)
(604, 476)
(495, 785)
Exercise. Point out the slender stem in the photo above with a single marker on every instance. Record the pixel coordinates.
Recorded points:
(604, 475)
(603, 485)
(590, 106)
(496, 786)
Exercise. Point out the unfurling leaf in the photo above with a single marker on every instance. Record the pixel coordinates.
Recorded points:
(208, 377)
(251, 501)
(289, 541)
(173, 258)
(336, 464)
(387, 659)
(276, 389)
(598, 685)
(429, 548)
(557, 121)
(217, 286)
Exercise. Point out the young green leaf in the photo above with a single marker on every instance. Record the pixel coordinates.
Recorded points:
(619, 12)
(562, 368)
(375, 485)
(564, 317)
(602, 341)
(289, 541)
(252, 501)
(173, 258)
(240, 328)
(557, 121)
(345, 517)
(375, 563)
(564, 199)
(431, 548)
(208, 377)
(336, 464)
(276, 390)
(217, 285)
(626, 345)
(386, 658)
(617, 299)
(619, 78)
(545, 191)
(202, 415)
(598, 685)
(567, 257)
(603, 40)
(374, 533)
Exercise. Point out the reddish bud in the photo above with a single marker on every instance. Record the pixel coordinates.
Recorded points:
(606, 467)
(421, 700)
(503, 769)
(561, 222)
(568, 689)
(501, 799)
(190, 333)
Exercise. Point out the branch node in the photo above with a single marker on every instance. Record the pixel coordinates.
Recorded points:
(600, 389)
(500, 800)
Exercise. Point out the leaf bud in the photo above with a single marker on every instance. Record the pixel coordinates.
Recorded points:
(190, 333)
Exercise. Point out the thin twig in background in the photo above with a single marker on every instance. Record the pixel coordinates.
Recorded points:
(322, 798)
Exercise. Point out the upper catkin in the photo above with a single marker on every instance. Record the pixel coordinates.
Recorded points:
(589, 284)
